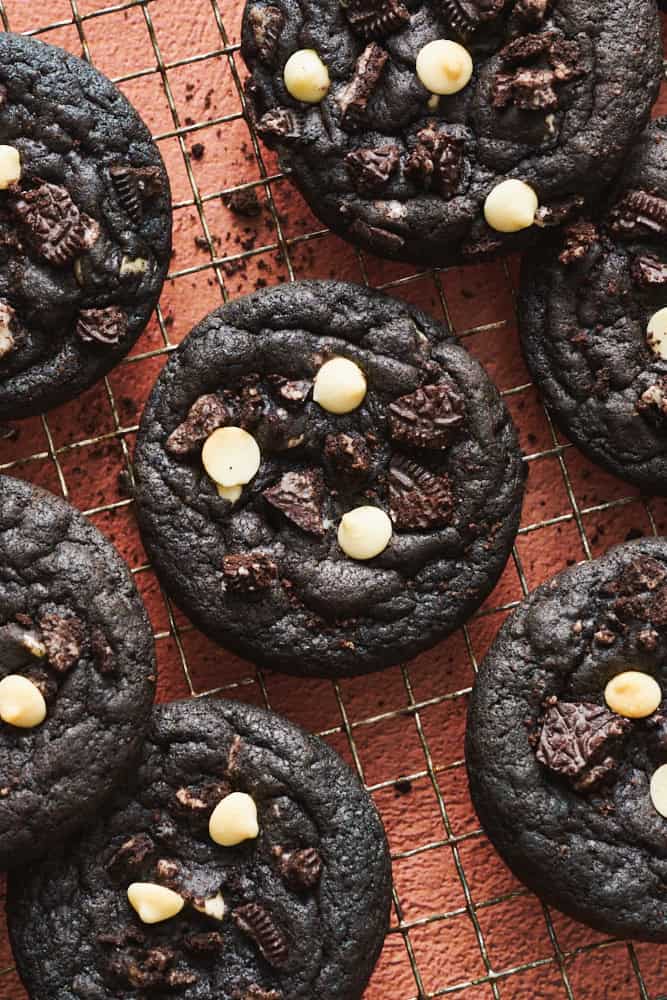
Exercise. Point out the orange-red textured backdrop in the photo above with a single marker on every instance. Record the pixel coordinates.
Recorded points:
(461, 924)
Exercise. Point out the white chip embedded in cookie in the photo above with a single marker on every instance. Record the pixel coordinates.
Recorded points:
(234, 820)
(656, 333)
(22, 704)
(511, 206)
(10, 167)
(444, 67)
(633, 694)
(365, 532)
(231, 456)
(154, 903)
(340, 386)
(306, 76)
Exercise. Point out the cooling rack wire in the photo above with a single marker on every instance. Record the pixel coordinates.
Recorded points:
(461, 925)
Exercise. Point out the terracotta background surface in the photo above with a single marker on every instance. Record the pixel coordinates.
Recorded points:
(461, 925)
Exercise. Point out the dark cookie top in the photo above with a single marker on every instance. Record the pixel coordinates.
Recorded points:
(432, 445)
(306, 902)
(85, 233)
(559, 90)
(560, 774)
(588, 306)
(72, 623)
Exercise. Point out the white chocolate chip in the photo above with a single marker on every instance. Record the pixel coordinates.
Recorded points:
(6, 336)
(364, 532)
(231, 493)
(231, 456)
(633, 694)
(21, 702)
(444, 67)
(154, 903)
(656, 333)
(133, 265)
(511, 206)
(433, 102)
(213, 907)
(659, 790)
(234, 820)
(340, 386)
(306, 77)
(10, 167)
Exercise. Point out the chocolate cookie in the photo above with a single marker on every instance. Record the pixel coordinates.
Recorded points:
(594, 326)
(77, 670)
(384, 479)
(567, 741)
(402, 122)
(85, 226)
(243, 861)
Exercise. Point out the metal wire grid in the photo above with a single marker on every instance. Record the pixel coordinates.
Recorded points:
(414, 708)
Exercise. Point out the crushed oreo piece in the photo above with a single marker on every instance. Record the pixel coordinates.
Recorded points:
(348, 453)
(418, 499)
(134, 185)
(299, 495)
(558, 212)
(255, 921)
(281, 123)
(525, 82)
(370, 169)
(648, 639)
(639, 213)
(648, 272)
(206, 415)
(653, 401)
(657, 609)
(248, 573)
(202, 798)
(436, 163)
(376, 18)
(533, 11)
(149, 969)
(294, 391)
(53, 224)
(130, 856)
(105, 326)
(466, 16)
(428, 417)
(381, 240)
(266, 24)
(301, 869)
(579, 237)
(204, 943)
(356, 94)
(102, 651)
(64, 639)
(256, 992)
(244, 202)
(572, 738)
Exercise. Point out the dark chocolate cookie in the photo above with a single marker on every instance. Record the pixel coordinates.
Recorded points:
(559, 90)
(294, 904)
(85, 226)
(267, 569)
(567, 741)
(77, 671)
(594, 326)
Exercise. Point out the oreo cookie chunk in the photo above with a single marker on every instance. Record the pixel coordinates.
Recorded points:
(85, 226)
(594, 323)
(77, 671)
(327, 483)
(567, 741)
(244, 861)
(439, 131)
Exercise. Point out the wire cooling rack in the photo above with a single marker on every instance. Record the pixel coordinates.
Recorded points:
(461, 925)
